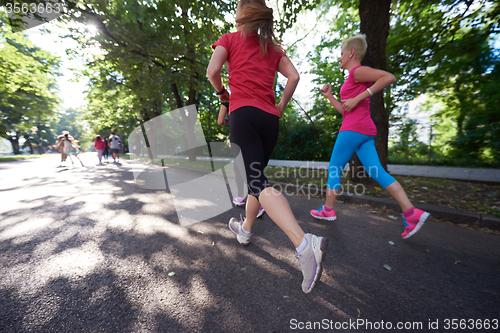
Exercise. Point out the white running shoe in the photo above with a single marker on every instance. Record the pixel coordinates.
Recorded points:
(236, 227)
(311, 261)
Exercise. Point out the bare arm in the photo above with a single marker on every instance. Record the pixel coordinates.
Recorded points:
(218, 59)
(287, 69)
(381, 79)
(327, 92)
(222, 115)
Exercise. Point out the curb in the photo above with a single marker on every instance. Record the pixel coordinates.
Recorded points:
(454, 216)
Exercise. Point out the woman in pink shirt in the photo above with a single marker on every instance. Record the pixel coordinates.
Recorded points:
(357, 134)
(253, 57)
(99, 146)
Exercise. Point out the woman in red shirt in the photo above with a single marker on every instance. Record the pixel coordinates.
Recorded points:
(99, 147)
(253, 57)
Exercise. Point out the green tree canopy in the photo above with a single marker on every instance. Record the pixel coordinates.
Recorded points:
(154, 56)
(443, 48)
(27, 86)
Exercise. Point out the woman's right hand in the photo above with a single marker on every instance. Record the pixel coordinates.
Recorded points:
(326, 90)
(280, 109)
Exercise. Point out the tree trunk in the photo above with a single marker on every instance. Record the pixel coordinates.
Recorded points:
(188, 119)
(14, 141)
(193, 77)
(27, 138)
(374, 16)
(39, 143)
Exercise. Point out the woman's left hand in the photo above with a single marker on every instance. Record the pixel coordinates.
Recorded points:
(224, 97)
(349, 104)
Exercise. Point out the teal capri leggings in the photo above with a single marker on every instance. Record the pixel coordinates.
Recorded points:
(349, 142)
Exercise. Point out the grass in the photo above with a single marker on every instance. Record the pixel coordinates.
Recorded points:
(467, 196)
(20, 157)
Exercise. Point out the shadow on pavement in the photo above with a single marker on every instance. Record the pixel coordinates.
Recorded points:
(92, 252)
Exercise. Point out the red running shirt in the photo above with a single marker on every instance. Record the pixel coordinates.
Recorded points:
(251, 73)
(358, 119)
(99, 145)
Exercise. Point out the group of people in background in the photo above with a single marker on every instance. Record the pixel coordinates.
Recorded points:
(106, 146)
(68, 147)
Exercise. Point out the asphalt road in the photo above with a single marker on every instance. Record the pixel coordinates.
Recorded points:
(85, 249)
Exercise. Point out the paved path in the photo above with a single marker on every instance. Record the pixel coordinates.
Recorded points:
(87, 250)
(472, 174)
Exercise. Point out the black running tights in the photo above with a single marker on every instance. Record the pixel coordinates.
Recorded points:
(255, 133)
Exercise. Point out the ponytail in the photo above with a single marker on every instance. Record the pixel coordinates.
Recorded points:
(257, 17)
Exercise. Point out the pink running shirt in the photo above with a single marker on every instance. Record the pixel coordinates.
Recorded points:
(358, 119)
(251, 73)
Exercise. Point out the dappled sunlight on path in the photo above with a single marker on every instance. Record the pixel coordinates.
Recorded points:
(86, 249)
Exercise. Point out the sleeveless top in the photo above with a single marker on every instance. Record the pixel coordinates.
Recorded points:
(359, 118)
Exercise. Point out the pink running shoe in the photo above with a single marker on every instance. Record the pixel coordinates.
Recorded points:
(414, 222)
(239, 201)
(322, 214)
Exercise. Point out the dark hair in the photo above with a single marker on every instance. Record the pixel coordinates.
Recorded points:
(112, 132)
(98, 137)
(257, 17)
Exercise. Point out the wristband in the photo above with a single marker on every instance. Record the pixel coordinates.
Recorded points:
(221, 92)
(369, 91)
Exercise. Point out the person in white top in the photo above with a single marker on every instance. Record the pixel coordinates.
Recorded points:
(70, 147)
(114, 147)
(60, 146)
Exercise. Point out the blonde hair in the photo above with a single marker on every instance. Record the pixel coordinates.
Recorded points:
(257, 17)
(358, 43)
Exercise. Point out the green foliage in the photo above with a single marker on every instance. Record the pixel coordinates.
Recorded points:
(407, 134)
(416, 154)
(28, 97)
(445, 49)
(423, 36)
(287, 14)
(154, 58)
(71, 120)
(16, 21)
(310, 135)
(324, 59)
(419, 155)
(469, 92)
(440, 48)
(304, 136)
